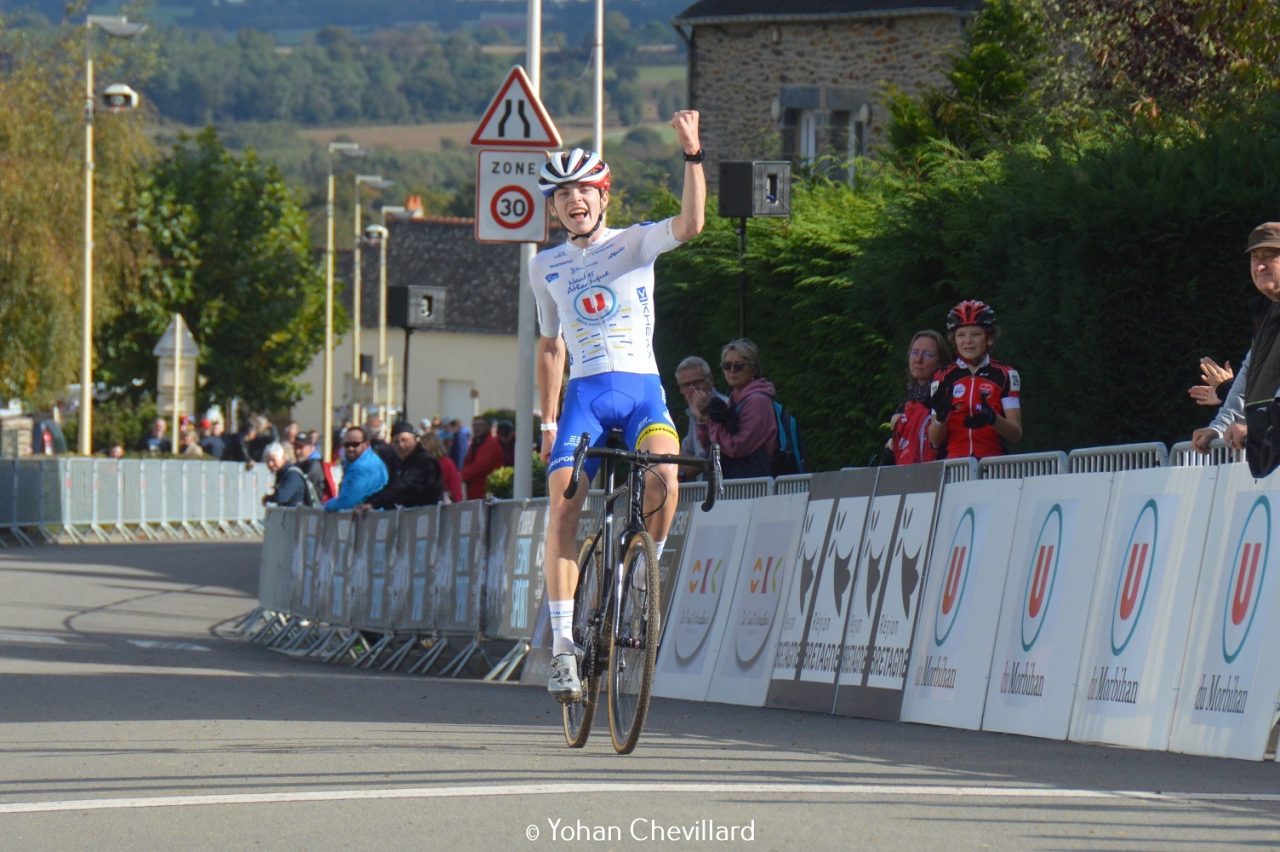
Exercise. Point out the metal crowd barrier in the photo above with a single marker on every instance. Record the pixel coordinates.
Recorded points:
(1182, 454)
(745, 489)
(959, 470)
(1022, 466)
(1122, 457)
(78, 499)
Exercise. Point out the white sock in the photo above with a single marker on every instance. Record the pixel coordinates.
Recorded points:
(561, 626)
(658, 546)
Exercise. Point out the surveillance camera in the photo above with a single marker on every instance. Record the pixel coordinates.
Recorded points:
(118, 97)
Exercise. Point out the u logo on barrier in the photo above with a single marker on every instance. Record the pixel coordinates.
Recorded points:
(1245, 575)
(957, 578)
(1139, 562)
(1041, 576)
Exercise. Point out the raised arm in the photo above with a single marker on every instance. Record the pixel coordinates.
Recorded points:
(693, 200)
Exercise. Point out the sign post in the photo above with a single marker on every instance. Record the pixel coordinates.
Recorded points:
(511, 209)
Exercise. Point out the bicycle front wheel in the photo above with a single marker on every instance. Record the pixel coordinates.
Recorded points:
(633, 652)
(588, 634)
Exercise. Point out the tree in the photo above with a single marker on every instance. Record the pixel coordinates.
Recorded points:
(41, 211)
(234, 257)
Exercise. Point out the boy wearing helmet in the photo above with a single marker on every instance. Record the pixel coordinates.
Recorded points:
(595, 307)
(975, 400)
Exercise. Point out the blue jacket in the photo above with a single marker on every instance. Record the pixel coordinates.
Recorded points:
(364, 477)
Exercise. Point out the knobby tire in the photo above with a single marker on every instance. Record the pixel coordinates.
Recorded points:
(633, 649)
(587, 602)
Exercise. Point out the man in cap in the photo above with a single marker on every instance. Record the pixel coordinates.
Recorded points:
(1262, 384)
(414, 475)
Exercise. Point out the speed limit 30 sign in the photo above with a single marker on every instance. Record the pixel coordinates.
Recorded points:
(509, 206)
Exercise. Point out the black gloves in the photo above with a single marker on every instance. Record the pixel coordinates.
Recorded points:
(983, 414)
(940, 401)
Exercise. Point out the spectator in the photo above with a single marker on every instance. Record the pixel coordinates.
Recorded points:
(190, 445)
(313, 438)
(693, 376)
(1228, 424)
(155, 441)
(414, 478)
(745, 426)
(264, 435)
(460, 438)
(308, 461)
(213, 443)
(975, 400)
(450, 477)
(290, 487)
(237, 446)
(909, 426)
(1260, 403)
(287, 439)
(374, 429)
(507, 440)
(364, 475)
(484, 456)
(116, 451)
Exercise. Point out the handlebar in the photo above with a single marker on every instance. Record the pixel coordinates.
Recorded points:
(710, 465)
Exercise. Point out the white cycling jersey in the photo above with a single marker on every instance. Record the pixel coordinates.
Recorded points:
(602, 296)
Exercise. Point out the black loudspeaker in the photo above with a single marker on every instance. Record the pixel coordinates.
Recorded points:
(415, 306)
(755, 188)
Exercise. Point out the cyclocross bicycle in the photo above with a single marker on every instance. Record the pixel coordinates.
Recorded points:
(617, 607)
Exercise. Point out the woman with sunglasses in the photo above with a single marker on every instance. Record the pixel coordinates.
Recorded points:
(909, 441)
(745, 427)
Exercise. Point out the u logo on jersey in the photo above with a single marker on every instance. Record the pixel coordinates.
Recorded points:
(595, 304)
(1245, 574)
(1041, 574)
(1138, 564)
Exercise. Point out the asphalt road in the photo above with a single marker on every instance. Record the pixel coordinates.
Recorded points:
(127, 721)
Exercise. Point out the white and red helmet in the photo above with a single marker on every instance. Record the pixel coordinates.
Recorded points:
(576, 166)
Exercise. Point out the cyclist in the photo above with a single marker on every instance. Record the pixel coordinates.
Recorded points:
(595, 298)
(975, 399)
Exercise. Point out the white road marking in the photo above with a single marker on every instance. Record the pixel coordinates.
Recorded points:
(657, 787)
(32, 638)
(167, 646)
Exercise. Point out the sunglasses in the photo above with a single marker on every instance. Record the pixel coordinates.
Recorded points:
(350, 444)
(733, 366)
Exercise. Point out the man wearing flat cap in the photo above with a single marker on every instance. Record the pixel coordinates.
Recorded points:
(414, 474)
(1262, 387)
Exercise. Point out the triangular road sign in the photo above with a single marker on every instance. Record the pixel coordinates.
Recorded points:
(516, 118)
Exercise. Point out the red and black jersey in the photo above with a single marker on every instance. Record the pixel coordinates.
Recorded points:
(992, 383)
(910, 441)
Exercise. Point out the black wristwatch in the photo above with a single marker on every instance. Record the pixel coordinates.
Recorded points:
(695, 158)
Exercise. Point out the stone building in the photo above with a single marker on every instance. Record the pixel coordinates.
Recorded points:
(800, 79)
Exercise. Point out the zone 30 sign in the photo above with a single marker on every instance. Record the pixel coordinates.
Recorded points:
(509, 206)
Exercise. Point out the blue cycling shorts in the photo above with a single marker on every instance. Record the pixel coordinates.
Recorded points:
(632, 402)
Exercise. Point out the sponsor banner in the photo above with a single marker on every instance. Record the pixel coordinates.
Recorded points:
(459, 566)
(412, 604)
(700, 607)
(279, 537)
(303, 572)
(515, 579)
(1048, 592)
(745, 662)
(1230, 680)
(1146, 582)
(960, 611)
(813, 620)
(335, 559)
(886, 591)
(673, 551)
(367, 581)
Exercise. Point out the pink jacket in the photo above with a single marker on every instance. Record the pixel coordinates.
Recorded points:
(757, 426)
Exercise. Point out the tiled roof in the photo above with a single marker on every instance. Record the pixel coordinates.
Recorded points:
(482, 280)
(714, 11)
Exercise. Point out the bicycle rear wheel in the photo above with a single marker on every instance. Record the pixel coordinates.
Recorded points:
(589, 634)
(633, 652)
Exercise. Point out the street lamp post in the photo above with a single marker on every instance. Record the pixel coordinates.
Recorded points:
(377, 182)
(117, 27)
(347, 149)
(379, 234)
(384, 362)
